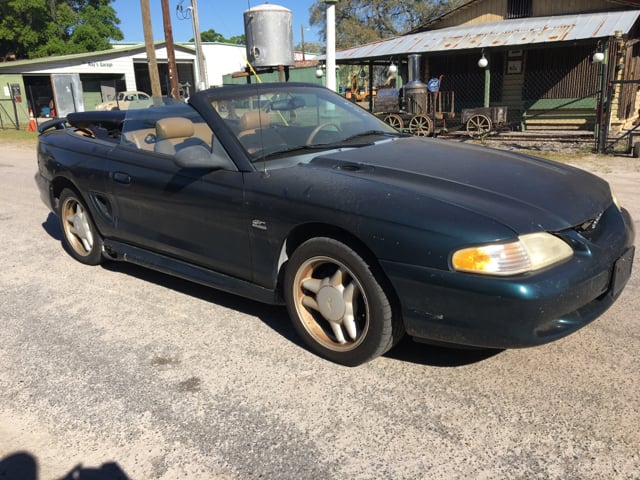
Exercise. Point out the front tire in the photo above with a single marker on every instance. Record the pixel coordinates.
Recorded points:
(336, 303)
(79, 234)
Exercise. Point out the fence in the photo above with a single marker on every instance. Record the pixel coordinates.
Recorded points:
(9, 117)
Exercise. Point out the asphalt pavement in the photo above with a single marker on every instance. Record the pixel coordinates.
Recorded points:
(117, 372)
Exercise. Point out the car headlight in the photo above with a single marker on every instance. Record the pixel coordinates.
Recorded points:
(616, 201)
(526, 254)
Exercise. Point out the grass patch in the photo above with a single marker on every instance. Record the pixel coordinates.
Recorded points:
(18, 137)
(564, 157)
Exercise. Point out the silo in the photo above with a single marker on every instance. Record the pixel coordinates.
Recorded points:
(269, 34)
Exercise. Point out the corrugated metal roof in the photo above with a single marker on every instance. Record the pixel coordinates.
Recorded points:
(116, 51)
(523, 31)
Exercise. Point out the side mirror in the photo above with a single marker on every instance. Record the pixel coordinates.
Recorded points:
(198, 156)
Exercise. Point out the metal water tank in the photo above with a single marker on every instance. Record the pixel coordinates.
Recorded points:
(269, 33)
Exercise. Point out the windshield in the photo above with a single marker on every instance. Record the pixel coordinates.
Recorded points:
(276, 120)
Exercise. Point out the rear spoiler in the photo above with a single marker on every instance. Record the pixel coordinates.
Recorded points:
(57, 123)
(110, 120)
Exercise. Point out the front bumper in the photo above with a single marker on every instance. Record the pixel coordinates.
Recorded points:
(520, 311)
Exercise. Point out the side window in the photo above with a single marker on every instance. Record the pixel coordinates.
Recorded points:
(231, 111)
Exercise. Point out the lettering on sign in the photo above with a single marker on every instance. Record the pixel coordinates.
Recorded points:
(100, 64)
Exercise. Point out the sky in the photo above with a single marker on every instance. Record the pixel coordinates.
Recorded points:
(223, 16)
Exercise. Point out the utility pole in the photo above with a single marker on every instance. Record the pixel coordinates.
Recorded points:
(202, 71)
(154, 77)
(331, 43)
(171, 54)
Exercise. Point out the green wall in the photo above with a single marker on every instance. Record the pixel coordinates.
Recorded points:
(7, 113)
(307, 74)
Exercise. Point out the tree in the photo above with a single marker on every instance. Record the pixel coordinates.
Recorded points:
(212, 36)
(238, 39)
(39, 28)
(310, 47)
(364, 21)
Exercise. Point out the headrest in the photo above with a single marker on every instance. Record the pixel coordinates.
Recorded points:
(174, 127)
(254, 119)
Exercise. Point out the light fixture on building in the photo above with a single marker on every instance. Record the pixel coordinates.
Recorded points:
(598, 55)
(483, 62)
(392, 68)
(319, 71)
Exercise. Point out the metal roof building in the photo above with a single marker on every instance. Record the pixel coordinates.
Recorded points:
(533, 57)
(506, 33)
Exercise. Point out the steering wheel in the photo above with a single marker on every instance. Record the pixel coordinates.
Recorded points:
(320, 127)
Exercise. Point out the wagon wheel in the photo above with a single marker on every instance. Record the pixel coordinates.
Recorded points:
(478, 125)
(420, 125)
(394, 120)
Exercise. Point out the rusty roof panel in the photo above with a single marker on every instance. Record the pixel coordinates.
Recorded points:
(500, 34)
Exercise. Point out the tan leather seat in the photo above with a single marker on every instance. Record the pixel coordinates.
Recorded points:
(172, 132)
(256, 134)
(253, 121)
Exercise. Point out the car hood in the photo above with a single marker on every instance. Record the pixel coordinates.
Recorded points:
(521, 192)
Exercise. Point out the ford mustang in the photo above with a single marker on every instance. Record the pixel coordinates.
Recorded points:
(287, 193)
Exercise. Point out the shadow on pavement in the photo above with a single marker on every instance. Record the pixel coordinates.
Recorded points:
(276, 317)
(24, 466)
(52, 226)
(411, 351)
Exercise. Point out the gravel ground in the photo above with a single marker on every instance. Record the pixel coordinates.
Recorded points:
(121, 373)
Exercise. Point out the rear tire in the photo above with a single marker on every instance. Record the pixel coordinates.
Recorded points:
(336, 303)
(79, 234)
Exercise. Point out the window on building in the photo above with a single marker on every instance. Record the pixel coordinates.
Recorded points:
(518, 8)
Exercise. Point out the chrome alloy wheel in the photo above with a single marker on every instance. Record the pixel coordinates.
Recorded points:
(77, 230)
(331, 303)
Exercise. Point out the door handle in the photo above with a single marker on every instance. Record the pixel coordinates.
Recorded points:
(121, 177)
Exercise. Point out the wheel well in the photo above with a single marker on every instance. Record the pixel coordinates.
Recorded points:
(57, 186)
(305, 232)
